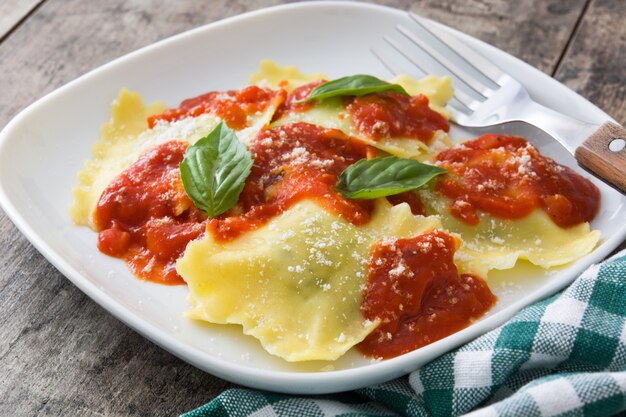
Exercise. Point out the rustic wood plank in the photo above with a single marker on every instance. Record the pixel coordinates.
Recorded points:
(595, 63)
(535, 31)
(12, 12)
(61, 353)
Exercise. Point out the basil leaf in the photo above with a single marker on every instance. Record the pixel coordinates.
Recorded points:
(355, 85)
(379, 177)
(214, 170)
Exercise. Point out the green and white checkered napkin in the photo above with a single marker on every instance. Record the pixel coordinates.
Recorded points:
(564, 356)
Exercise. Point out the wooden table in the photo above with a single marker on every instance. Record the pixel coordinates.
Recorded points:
(61, 353)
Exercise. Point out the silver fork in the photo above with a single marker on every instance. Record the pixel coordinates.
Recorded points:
(494, 98)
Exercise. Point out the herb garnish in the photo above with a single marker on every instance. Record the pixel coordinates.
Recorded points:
(380, 177)
(354, 85)
(214, 170)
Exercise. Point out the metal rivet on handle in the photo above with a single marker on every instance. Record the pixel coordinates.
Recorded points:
(617, 145)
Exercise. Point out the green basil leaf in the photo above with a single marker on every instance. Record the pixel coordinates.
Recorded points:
(214, 170)
(379, 177)
(355, 85)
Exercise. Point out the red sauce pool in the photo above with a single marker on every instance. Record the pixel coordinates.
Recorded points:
(292, 163)
(414, 288)
(233, 106)
(386, 115)
(145, 217)
(506, 177)
(300, 93)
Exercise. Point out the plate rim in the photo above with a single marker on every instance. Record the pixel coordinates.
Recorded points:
(275, 380)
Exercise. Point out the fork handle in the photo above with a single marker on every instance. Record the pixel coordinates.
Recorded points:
(604, 153)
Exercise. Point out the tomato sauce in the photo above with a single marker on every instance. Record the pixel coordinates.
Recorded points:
(233, 107)
(506, 177)
(393, 115)
(300, 93)
(415, 290)
(291, 163)
(145, 217)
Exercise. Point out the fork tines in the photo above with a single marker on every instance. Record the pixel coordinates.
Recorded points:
(449, 52)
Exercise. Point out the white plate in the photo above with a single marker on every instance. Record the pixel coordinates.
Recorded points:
(42, 149)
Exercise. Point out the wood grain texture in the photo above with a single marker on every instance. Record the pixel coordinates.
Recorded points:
(595, 155)
(12, 12)
(60, 353)
(595, 63)
(535, 31)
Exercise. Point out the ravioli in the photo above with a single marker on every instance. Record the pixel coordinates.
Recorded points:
(296, 278)
(498, 243)
(330, 113)
(296, 283)
(126, 137)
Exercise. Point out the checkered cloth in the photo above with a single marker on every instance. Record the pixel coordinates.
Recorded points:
(564, 356)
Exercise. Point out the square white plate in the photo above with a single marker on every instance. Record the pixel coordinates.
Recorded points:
(43, 148)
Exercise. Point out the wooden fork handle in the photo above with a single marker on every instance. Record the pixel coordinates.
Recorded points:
(604, 154)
